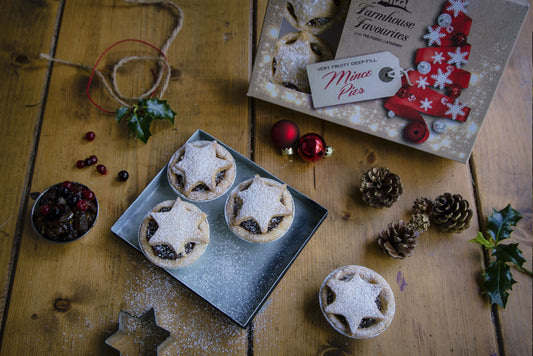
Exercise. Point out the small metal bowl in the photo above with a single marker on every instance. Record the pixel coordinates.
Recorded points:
(69, 218)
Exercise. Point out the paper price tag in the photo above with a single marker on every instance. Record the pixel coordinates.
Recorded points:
(354, 79)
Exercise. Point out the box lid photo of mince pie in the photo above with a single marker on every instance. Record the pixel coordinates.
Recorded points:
(421, 73)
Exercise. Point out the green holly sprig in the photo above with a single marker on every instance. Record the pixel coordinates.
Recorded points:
(497, 277)
(141, 115)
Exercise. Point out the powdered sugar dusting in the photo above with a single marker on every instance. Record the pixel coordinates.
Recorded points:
(261, 202)
(200, 165)
(195, 326)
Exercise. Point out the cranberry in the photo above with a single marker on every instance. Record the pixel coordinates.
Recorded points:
(101, 169)
(67, 184)
(123, 176)
(90, 136)
(88, 162)
(80, 163)
(93, 159)
(82, 205)
(45, 209)
(87, 194)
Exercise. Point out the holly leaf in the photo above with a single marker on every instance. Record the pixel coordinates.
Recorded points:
(500, 222)
(480, 239)
(509, 253)
(497, 281)
(140, 127)
(122, 113)
(140, 116)
(158, 109)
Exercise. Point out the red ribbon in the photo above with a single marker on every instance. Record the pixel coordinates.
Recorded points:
(442, 70)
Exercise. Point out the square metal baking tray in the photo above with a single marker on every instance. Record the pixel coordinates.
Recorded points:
(233, 275)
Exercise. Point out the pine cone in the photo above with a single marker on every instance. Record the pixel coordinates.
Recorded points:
(380, 187)
(398, 240)
(450, 213)
(419, 222)
(421, 205)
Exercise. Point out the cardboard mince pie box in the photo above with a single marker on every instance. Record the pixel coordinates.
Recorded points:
(421, 73)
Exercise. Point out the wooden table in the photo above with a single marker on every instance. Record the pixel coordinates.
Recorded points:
(66, 299)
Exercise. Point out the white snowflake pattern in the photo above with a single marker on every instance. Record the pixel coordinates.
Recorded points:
(422, 82)
(458, 58)
(434, 35)
(441, 79)
(425, 104)
(437, 57)
(457, 6)
(455, 109)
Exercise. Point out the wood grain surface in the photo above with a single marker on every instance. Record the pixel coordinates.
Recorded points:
(66, 299)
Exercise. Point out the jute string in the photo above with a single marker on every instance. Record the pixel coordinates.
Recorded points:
(164, 72)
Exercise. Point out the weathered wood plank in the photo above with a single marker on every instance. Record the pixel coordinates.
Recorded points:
(27, 29)
(101, 275)
(502, 161)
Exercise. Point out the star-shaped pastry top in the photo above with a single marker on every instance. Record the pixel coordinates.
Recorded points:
(200, 165)
(178, 226)
(355, 300)
(261, 202)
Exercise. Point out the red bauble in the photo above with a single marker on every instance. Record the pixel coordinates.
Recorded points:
(284, 133)
(460, 39)
(311, 147)
(403, 92)
(454, 91)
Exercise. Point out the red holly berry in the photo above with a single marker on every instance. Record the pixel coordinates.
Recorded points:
(90, 136)
(101, 169)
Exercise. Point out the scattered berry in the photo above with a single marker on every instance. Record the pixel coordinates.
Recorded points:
(45, 209)
(90, 136)
(93, 159)
(88, 162)
(80, 163)
(123, 176)
(101, 169)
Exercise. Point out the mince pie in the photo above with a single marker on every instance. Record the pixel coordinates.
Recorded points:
(315, 16)
(174, 234)
(201, 170)
(259, 210)
(293, 52)
(357, 302)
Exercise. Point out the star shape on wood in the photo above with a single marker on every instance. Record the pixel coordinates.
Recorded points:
(178, 226)
(200, 165)
(355, 300)
(139, 335)
(261, 202)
